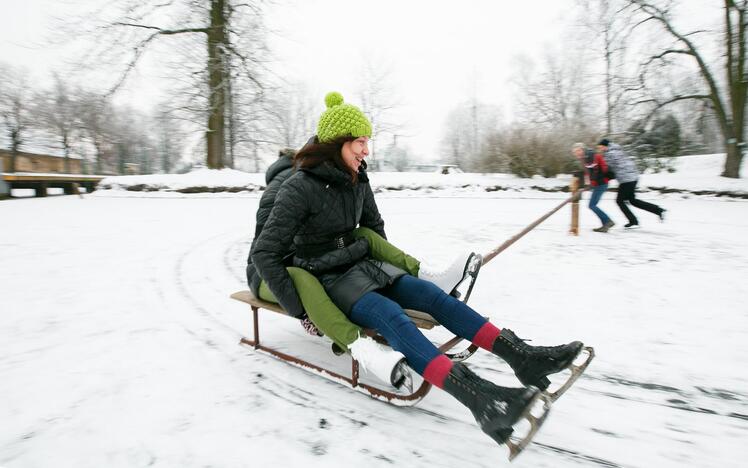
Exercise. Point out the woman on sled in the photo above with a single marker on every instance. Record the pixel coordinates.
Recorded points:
(320, 316)
(317, 209)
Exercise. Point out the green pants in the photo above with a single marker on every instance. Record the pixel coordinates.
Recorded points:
(321, 310)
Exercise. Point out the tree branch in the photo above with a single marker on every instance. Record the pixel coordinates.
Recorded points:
(139, 49)
(667, 52)
(161, 31)
(661, 16)
(659, 105)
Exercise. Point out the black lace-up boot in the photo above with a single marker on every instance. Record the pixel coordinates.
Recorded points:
(496, 409)
(532, 364)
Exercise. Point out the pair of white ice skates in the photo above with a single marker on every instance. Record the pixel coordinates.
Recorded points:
(389, 365)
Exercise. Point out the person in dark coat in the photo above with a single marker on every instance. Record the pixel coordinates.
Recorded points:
(317, 209)
(624, 169)
(596, 170)
(321, 315)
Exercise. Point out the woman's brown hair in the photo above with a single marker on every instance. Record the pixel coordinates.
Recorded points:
(315, 153)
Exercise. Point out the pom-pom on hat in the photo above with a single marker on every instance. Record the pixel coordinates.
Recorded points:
(341, 120)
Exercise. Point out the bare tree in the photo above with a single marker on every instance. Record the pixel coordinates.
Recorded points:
(168, 135)
(134, 151)
(58, 111)
(378, 100)
(95, 111)
(727, 99)
(15, 103)
(611, 31)
(468, 127)
(291, 116)
(280, 117)
(556, 96)
(225, 28)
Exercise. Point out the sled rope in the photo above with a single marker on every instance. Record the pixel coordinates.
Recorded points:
(489, 256)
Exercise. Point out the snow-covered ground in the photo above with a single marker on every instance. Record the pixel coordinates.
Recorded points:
(118, 342)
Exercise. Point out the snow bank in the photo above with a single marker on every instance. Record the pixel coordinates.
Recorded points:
(697, 175)
(199, 180)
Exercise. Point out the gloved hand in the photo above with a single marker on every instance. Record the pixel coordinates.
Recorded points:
(309, 326)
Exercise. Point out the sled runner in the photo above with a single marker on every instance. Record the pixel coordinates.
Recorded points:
(421, 320)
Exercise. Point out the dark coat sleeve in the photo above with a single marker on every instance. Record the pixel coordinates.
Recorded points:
(370, 216)
(287, 216)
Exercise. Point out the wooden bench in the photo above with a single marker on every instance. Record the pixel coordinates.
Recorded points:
(421, 319)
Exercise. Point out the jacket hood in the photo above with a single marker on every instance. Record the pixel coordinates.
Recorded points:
(283, 163)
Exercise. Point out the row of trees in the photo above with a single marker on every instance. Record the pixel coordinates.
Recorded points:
(625, 72)
(221, 88)
(227, 91)
(72, 122)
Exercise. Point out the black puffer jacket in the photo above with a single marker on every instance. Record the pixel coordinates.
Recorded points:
(314, 207)
(276, 174)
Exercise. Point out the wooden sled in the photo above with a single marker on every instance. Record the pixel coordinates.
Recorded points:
(421, 319)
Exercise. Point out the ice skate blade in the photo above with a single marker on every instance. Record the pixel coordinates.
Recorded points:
(515, 448)
(576, 371)
(462, 355)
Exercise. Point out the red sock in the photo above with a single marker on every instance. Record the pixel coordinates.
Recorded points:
(486, 335)
(437, 370)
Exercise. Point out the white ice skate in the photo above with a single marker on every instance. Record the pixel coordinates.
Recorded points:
(383, 362)
(465, 267)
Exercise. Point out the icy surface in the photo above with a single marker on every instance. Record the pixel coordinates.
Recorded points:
(118, 341)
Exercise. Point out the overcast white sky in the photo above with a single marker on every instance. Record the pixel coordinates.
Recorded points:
(441, 52)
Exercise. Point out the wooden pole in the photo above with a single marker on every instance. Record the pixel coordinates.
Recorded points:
(76, 189)
(575, 196)
(490, 255)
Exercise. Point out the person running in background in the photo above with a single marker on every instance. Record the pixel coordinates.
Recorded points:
(596, 170)
(624, 170)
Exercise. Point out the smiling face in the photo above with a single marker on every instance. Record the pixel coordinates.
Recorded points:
(354, 152)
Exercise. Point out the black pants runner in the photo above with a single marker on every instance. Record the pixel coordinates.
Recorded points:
(627, 192)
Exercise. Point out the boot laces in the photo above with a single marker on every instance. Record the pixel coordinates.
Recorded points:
(524, 347)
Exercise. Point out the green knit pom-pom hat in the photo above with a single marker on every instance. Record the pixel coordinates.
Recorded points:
(341, 120)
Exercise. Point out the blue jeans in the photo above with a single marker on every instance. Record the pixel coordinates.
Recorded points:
(597, 194)
(383, 311)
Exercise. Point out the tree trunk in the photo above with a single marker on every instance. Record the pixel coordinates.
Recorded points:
(66, 148)
(97, 146)
(215, 135)
(231, 140)
(608, 85)
(121, 158)
(165, 155)
(733, 159)
(13, 153)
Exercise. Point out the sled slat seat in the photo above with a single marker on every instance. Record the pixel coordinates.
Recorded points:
(421, 319)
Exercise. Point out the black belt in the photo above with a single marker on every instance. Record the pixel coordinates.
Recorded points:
(315, 250)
